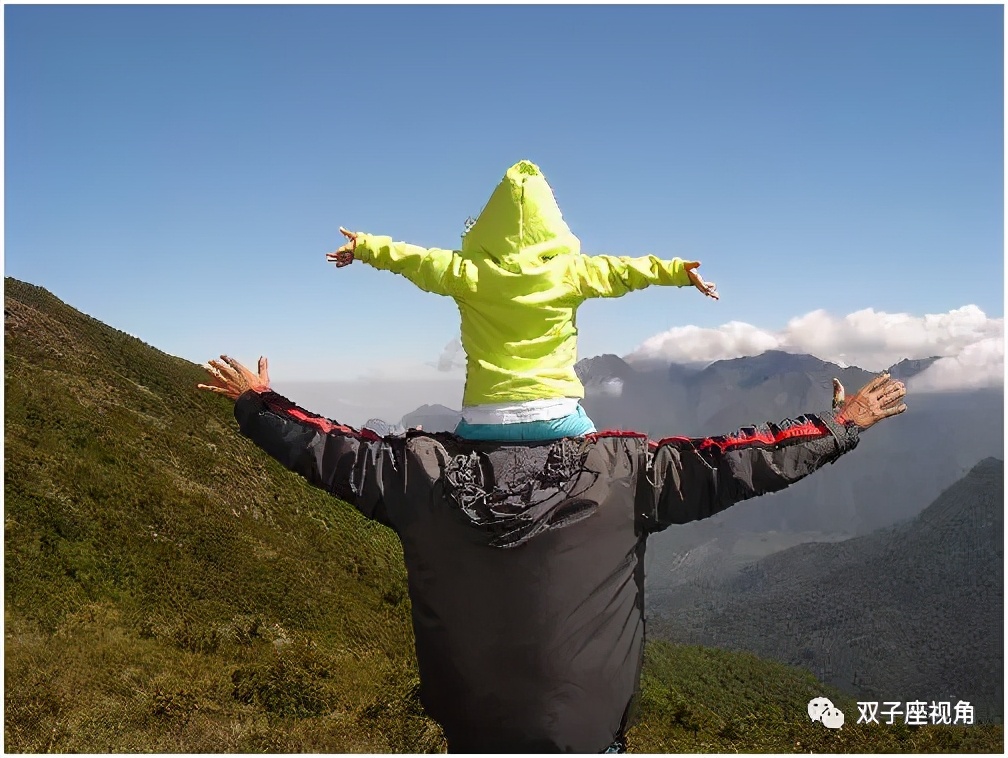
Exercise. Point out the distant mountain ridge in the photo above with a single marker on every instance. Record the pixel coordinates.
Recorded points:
(433, 418)
(711, 399)
(914, 611)
(666, 389)
(926, 449)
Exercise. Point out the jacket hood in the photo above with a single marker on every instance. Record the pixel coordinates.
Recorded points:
(521, 222)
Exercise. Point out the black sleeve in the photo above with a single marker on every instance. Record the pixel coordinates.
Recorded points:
(355, 466)
(691, 479)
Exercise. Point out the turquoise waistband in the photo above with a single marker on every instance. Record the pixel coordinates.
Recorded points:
(576, 424)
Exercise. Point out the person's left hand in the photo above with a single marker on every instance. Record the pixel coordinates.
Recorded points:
(345, 255)
(881, 398)
(708, 288)
(231, 379)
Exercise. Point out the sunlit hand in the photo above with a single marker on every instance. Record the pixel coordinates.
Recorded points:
(708, 288)
(345, 255)
(881, 398)
(232, 379)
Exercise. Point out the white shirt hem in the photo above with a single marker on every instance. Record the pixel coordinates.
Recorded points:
(546, 409)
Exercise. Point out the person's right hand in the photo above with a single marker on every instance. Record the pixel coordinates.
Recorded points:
(708, 288)
(345, 255)
(231, 379)
(881, 398)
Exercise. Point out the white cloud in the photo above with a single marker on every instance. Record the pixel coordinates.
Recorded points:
(690, 344)
(970, 343)
(612, 387)
(978, 365)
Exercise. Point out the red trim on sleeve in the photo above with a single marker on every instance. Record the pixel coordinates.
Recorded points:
(754, 436)
(667, 440)
(281, 406)
(615, 433)
(284, 407)
(322, 424)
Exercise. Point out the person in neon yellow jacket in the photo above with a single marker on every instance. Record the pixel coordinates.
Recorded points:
(518, 281)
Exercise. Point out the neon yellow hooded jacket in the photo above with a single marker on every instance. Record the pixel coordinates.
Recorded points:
(518, 281)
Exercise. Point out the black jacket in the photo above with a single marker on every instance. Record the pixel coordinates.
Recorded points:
(526, 560)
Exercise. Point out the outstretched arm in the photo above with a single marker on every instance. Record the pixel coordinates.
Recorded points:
(430, 269)
(612, 276)
(349, 464)
(696, 478)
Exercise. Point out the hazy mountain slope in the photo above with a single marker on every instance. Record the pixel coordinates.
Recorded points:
(911, 612)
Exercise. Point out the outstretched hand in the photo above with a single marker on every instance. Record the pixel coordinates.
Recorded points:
(232, 379)
(345, 255)
(881, 398)
(708, 288)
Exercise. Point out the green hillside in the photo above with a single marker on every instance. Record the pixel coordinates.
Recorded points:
(169, 588)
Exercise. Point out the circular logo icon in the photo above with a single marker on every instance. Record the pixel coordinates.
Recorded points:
(832, 718)
(816, 707)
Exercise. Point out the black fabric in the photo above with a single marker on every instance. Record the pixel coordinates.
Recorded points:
(525, 561)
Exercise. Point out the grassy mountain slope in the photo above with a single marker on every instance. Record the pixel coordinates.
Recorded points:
(169, 588)
(161, 566)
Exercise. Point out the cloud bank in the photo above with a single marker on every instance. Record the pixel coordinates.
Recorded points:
(969, 343)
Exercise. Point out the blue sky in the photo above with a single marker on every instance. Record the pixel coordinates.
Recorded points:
(180, 172)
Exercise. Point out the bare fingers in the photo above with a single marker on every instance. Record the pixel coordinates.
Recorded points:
(708, 288)
(878, 381)
(893, 411)
(220, 369)
(213, 371)
(342, 257)
(213, 388)
(235, 365)
(890, 392)
(894, 391)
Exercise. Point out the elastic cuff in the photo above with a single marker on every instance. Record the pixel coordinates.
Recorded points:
(682, 278)
(846, 434)
(248, 405)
